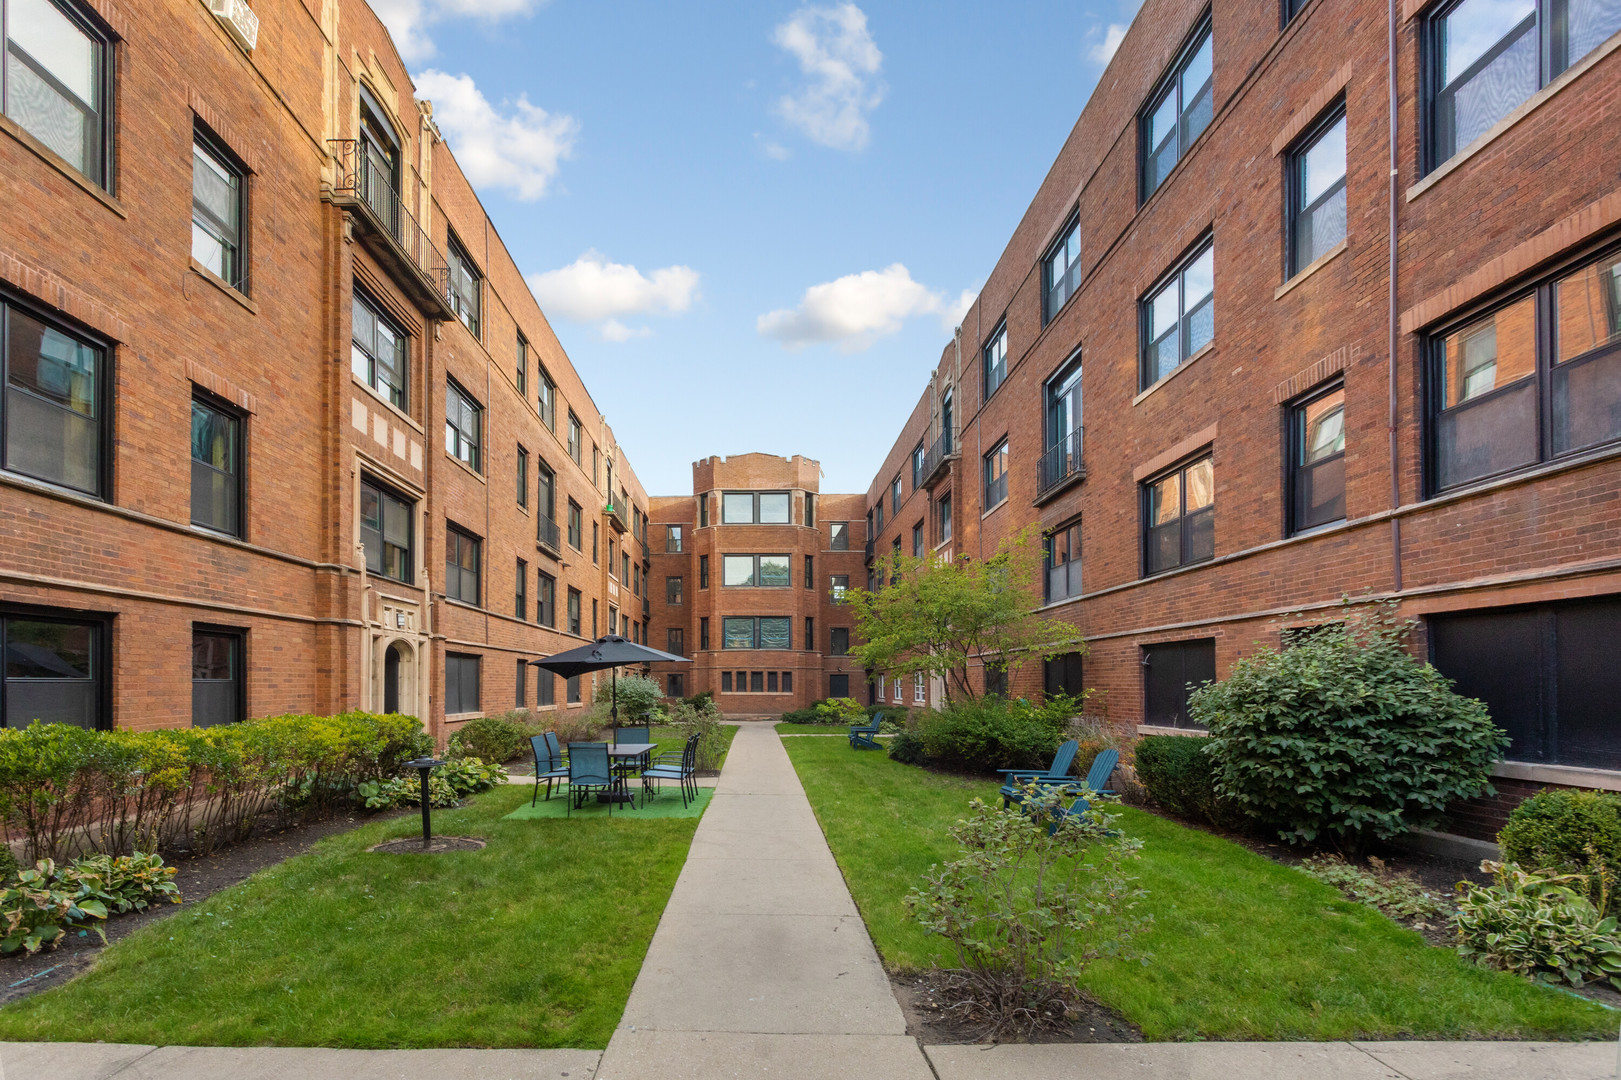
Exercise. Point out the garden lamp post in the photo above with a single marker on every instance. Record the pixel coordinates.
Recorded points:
(424, 766)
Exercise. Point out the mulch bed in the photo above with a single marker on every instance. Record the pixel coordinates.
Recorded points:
(199, 877)
(926, 1020)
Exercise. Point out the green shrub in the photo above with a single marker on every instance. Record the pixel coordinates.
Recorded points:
(1180, 777)
(639, 697)
(1566, 831)
(704, 721)
(37, 909)
(122, 883)
(448, 785)
(1537, 925)
(907, 748)
(981, 736)
(1345, 736)
(490, 738)
(1032, 900)
(8, 864)
(1397, 895)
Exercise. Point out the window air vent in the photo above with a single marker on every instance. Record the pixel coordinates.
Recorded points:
(238, 19)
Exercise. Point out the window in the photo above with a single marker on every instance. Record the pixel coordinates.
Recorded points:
(1170, 671)
(840, 582)
(520, 592)
(216, 468)
(917, 540)
(461, 566)
(1180, 518)
(996, 475)
(810, 632)
(839, 536)
(676, 640)
(918, 457)
(839, 645)
(878, 520)
(943, 517)
(545, 599)
(624, 557)
(764, 632)
(636, 578)
(464, 421)
(726, 682)
(754, 507)
(945, 421)
(810, 509)
(672, 539)
(217, 692)
(386, 528)
(379, 160)
(1547, 674)
(546, 398)
(574, 614)
(703, 511)
(895, 496)
(545, 687)
(464, 285)
(54, 416)
(1485, 57)
(218, 210)
(787, 682)
(1316, 192)
(575, 437)
(756, 571)
(593, 617)
(995, 680)
(672, 590)
(461, 684)
(1062, 675)
(521, 699)
(54, 672)
(1063, 559)
(57, 81)
(576, 526)
(703, 633)
(810, 572)
(1179, 316)
(838, 685)
(378, 350)
(703, 571)
(596, 536)
(1317, 460)
(673, 686)
(757, 682)
(521, 369)
(596, 466)
(1291, 8)
(523, 477)
(1550, 356)
(1062, 457)
(572, 688)
(919, 689)
(1179, 111)
(1061, 271)
(995, 360)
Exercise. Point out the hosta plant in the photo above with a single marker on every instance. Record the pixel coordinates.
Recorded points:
(1540, 925)
(38, 907)
(123, 883)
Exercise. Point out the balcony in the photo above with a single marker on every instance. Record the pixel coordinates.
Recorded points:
(872, 548)
(647, 608)
(937, 460)
(549, 537)
(1060, 467)
(616, 518)
(389, 230)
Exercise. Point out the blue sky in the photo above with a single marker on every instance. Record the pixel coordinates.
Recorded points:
(752, 224)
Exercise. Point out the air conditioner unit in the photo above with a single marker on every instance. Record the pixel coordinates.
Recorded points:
(238, 19)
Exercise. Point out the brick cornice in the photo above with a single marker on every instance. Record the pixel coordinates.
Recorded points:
(1556, 238)
(1308, 377)
(51, 289)
(1313, 107)
(1158, 462)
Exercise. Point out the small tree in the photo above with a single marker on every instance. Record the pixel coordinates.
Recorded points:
(637, 696)
(935, 617)
(1345, 735)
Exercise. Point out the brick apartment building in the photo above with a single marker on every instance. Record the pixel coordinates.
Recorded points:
(1317, 356)
(283, 429)
(746, 571)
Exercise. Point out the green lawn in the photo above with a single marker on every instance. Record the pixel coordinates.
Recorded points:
(672, 739)
(1243, 948)
(785, 728)
(533, 941)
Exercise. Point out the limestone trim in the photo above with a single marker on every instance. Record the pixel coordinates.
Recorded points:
(1312, 109)
(1160, 462)
(1308, 377)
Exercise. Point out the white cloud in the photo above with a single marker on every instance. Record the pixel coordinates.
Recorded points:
(841, 63)
(592, 289)
(518, 150)
(951, 317)
(1103, 51)
(409, 21)
(856, 310)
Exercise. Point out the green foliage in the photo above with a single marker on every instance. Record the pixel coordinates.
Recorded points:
(907, 748)
(41, 904)
(122, 883)
(491, 738)
(1397, 895)
(1541, 925)
(1345, 736)
(989, 733)
(448, 785)
(1034, 898)
(8, 864)
(938, 618)
(63, 787)
(831, 711)
(1179, 776)
(37, 908)
(1566, 831)
(704, 721)
(639, 698)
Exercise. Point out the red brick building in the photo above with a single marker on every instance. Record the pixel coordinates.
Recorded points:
(283, 428)
(1295, 316)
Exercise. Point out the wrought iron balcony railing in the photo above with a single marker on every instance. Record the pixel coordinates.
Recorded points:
(1060, 465)
(940, 453)
(872, 547)
(389, 228)
(548, 535)
(616, 517)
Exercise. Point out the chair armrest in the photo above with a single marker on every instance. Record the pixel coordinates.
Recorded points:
(1023, 772)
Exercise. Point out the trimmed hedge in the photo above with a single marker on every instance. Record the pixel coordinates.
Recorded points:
(1565, 831)
(66, 789)
(985, 735)
(1180, 777)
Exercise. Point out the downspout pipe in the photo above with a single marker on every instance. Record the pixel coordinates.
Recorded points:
(1394, 342)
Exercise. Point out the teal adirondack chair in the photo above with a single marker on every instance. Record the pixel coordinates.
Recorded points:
(1056, 773)
(862, 736)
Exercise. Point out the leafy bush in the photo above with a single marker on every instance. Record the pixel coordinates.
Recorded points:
(65, 788)
(702, 720)
(1181, 777)
(1566, 831)
(1031, 902)
(907, 748)
(8, 864)
(40, 905)
(1345, 735)
(123, 883)
(1397, 895)
(448, 785)
(1539, 925)
(832, 711)
(639, 697)
(991, 733)
(491, 738)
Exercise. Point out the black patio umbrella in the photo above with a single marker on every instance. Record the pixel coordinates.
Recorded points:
(613, 652)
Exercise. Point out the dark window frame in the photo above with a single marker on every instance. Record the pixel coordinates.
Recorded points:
(1180, 470)
(675, 640)
(102, 385)
(105, 111)
(210, 145)
(1295, 466)
(463, 661)
(464, 542)
(239, 679)
(755, 576)
(994, 489)
(1175, 275)
(755, 519)
(1171, 83)
(374, 378)
(238, 498)
(674, 590)
(1175, 653)
(994, 373)
(463, 272)
(834, 647)
(521, 366)
(1072, 270)
(573, 611)
(1066, 538)
(100, 649)
(474, 440)
(757, 636)
(386, 492)
(1294, 187)
(833, 533)
(545, 599)
(520, 591)
(523, 476)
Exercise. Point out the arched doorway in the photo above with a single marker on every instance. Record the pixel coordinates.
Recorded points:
(391, 678)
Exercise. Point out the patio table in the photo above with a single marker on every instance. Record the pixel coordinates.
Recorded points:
(624, 756)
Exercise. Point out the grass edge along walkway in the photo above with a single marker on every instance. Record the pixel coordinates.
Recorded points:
(534, 941)
(1243, 948)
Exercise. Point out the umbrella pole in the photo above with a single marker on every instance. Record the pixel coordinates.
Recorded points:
(615, 698)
